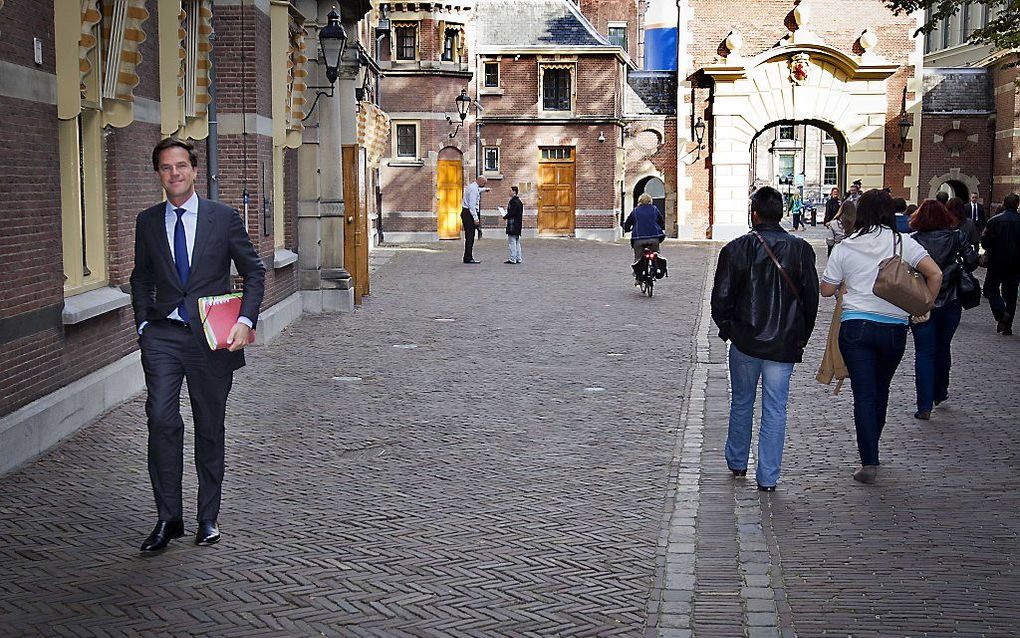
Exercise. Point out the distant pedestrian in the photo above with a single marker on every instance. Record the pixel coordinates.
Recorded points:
(855, 191)
(796, 210)
(937, 233)
(841, 225)
(470, 216)
(831, 205)
(645, 225)
(184, 247)
(873, 332)
(514, 225)
(1001, 240)
(765, 301)
(942, 197)
(900, 212)
(964, 223)
(976, 212)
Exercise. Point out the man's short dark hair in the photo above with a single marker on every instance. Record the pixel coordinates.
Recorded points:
(768, 203)
(856, 182)
(515, 190)
(172, 142)
(898, 204)
(1011, 201)
(943, 197)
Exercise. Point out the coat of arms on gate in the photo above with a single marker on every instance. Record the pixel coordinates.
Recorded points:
(800, 66)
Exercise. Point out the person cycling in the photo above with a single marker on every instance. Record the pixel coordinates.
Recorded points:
(645, 225)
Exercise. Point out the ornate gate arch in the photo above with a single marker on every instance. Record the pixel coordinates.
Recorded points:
(801, 81)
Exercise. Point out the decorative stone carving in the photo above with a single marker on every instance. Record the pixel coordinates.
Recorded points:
(734, 43)
(800, 68)
(801, 15)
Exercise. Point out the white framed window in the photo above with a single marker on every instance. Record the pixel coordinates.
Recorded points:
(617, 32)
(785, 169)
(490, 155)
(405, 140)
(829, 174)
(491, 73)
(557, 87)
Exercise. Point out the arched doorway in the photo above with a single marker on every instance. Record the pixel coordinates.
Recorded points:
(805, 157)
(450, 189)
(955, 188)
(798, 82)
(656, 189)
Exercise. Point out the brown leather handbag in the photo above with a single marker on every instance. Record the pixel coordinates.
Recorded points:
(901, 285)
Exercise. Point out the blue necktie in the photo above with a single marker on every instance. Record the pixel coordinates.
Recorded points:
(181, 257)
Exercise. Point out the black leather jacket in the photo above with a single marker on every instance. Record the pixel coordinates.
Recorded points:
(1001, 240)
(753, 305)
(944, 246)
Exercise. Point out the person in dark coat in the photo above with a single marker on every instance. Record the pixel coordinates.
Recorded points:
(1001, 240)
(514, 224)
(767, 311)
(645, 225)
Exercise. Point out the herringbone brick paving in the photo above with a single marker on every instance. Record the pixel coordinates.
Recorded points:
(499, 474)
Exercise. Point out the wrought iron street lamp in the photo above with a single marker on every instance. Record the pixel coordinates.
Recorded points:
(332, 42)
(463, 104)
(904, 132)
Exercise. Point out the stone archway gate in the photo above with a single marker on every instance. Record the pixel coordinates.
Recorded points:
(803, 81)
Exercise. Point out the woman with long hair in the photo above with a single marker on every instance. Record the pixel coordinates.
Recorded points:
(841, 224)
(935, 229)
(873, 332)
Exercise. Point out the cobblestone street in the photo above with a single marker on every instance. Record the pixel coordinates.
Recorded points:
(532, 450)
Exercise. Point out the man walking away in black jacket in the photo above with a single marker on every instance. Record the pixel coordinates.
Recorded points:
(765, 300)
(1001, 241)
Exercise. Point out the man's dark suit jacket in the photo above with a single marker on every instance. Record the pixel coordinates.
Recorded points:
(220, 238)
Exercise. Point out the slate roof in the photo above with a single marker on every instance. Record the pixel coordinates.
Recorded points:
(534, 23)
(958, 91)
(651, 92)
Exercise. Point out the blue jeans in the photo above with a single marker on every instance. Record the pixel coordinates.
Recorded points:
(775, 377)
(872, 352)
(932, 345)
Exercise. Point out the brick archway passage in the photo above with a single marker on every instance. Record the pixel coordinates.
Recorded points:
(848, 94)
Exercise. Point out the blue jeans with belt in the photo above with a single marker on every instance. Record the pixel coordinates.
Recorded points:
(745, 371)
(933, 354)
(872, 352)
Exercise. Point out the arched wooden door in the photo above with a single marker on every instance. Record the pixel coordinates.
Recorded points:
(450, 189)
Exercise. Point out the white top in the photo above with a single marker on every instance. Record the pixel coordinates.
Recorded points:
(472, 198)
(190, 219)
(854, 262)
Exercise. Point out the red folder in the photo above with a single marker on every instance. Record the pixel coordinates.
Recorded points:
(219, 314)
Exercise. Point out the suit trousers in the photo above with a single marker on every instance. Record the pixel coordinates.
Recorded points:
(468, 221)
(171, 354)
(1001, 289)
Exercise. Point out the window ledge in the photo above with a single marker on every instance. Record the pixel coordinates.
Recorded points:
(490, 91)
(283, 258)
(496, 176)
(406, 163)
(87, 305)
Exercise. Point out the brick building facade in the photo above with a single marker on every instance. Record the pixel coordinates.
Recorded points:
(548, 114)
(86, 91)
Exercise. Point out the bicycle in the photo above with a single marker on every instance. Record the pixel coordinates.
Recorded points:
(649, 268)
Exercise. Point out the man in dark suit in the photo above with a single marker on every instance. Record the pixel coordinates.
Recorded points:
(183, 250)
(976, 212)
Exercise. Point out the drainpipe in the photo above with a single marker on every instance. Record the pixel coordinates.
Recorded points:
(212, 142)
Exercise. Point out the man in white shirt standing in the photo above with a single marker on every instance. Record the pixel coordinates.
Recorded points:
(470, 216)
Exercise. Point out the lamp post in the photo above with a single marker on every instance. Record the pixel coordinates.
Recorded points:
(904, 125)
(332, 42)
(463, 102)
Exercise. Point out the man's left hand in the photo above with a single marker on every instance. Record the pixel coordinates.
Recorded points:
(239, 336)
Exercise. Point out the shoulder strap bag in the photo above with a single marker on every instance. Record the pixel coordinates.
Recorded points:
(782, 271)
(968, 288)
(901, 285)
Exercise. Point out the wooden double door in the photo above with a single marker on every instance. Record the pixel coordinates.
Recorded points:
(556, 192)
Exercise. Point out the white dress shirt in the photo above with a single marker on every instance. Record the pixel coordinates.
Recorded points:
(472, 199)
(190, 219)
(974, 212)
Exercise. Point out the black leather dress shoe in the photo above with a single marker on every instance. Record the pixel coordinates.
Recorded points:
(738, 473)
(162, 534)
(766, 488)
(208, 533)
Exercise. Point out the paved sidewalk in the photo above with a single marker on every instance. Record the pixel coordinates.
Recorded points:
(480, 451)
(534, 450)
